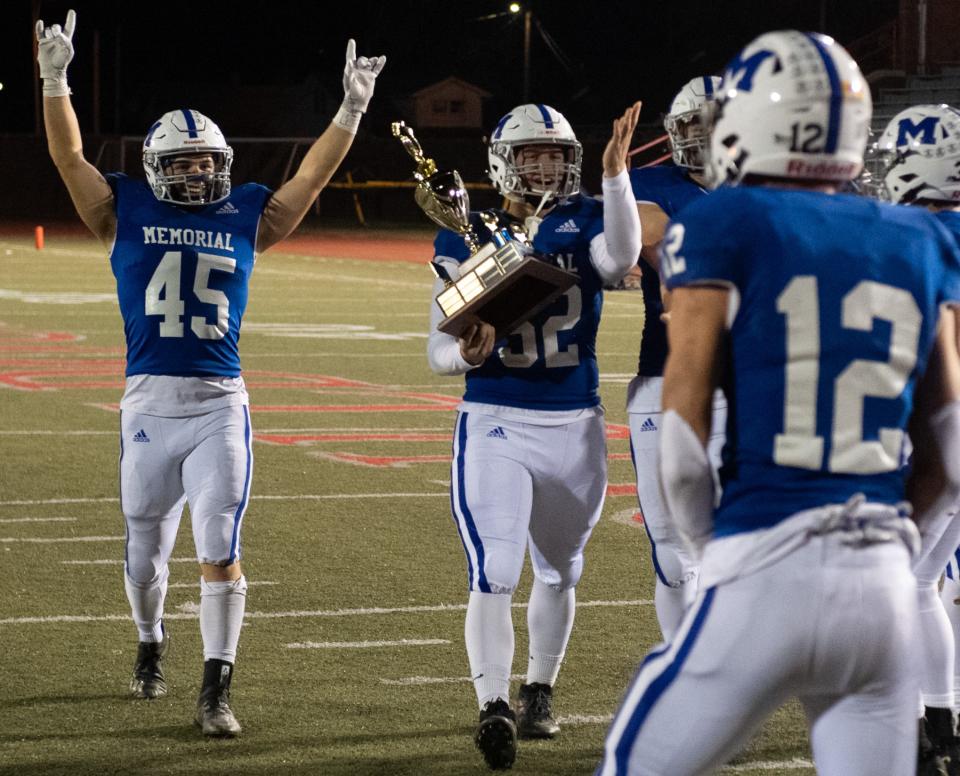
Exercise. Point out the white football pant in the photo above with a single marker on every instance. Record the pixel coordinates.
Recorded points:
(205, 461)
(513, 481)
(676, 571)
(829, 623)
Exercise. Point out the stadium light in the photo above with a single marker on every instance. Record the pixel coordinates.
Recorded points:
(514, 8)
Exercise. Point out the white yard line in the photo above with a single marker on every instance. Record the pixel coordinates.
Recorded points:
(290, 497)
(288, 615)
(365, 644)
(797, 763)
(38, 520)
(196, 585)
(58, 540)
(116, 562)
(58, 433)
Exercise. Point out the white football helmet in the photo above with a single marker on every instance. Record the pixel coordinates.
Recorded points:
(182, 133)
(919, 155)
(792, 105)
(534, 125)
(684, 122)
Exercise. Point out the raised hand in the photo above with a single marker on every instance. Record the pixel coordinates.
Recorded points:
(54, 52)
(615, 154)
(359, 76)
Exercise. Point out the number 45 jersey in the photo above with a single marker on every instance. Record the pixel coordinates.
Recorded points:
(834, 307)
(182, 277)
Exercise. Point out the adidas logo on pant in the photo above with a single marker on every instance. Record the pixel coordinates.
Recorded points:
(497, 433)
(648, 425)
(141, 436)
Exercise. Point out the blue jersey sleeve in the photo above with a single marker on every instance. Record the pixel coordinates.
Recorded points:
(703, 243)
(450, 244)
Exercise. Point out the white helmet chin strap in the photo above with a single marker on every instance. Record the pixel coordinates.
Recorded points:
(543, 200)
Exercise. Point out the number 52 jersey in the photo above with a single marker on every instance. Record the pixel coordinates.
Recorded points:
(182, 277)
(834, 308)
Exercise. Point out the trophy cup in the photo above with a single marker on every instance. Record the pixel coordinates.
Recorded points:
(501, 283)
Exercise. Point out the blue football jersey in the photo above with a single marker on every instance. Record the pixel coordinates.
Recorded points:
(550, 362)
(671, 189)
(182, 277)
(838, 302)
(951, 220)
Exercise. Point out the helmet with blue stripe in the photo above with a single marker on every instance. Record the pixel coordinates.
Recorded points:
(919, 155)
(182, 135)
(534, 125)
(684, 124)
(793, 106)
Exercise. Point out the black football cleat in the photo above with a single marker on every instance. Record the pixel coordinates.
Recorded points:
(496, 735)
(534, 712)
(147, 681)
(214, 717)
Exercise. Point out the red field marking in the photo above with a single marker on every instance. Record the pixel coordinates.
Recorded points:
(377, 246)
(617, 431)
(255, 408)
(302, 439)
(383, 462)
(619, 457)
(626, 489)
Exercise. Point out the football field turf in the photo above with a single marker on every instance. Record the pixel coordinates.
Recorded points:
(351, 659)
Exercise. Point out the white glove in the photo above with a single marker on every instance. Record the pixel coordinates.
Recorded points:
(54, 52)
(359, 76)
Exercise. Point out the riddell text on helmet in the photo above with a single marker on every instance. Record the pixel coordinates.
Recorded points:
(800, 168)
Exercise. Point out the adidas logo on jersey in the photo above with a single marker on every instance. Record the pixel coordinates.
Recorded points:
(141, 436)
(567, 226)
(648, 425)
(228, 209)
(497, 433)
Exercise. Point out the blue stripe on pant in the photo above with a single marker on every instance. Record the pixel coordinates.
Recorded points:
(458, 495)
(657, 686)
(245, 498)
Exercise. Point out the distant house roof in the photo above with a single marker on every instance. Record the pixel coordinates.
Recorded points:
(451, 81)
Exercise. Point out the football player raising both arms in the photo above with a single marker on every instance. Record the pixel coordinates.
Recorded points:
(819, 314)
(182, 247)
(529, 467)
(661, 192)
(918, 155)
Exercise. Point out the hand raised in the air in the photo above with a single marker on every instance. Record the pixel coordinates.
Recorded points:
(54, 52)
(359, 75)
(615, 154)
(476, 343)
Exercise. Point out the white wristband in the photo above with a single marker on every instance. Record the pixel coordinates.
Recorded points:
(56, 87)
(347, 118)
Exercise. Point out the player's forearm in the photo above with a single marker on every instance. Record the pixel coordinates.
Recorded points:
(686, 479)
(443, 350)
(287, 207)
(63, 132)
(621, 226)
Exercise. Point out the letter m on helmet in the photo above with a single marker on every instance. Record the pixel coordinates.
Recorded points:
(740, 72)
(925, 130)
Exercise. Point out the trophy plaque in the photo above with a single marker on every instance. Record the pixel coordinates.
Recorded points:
(501, 283)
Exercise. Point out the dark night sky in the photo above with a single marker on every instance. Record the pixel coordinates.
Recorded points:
(619, 50)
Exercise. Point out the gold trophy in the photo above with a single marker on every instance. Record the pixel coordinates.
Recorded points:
(501, 283)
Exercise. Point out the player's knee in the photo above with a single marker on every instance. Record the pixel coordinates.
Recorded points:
(562, 577)
(145, 574)
(225, 571)
(500, 575)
